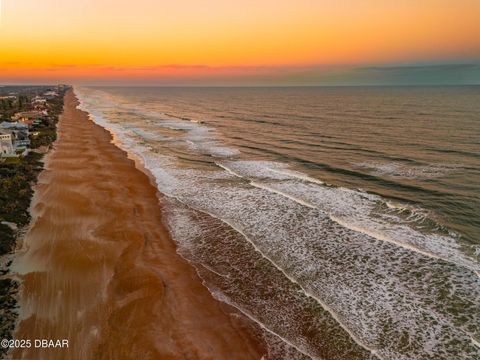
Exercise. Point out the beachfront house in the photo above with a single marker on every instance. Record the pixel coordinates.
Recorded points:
(50, 94)
(39, 100)
(19, 130)
(6, 145)
(18, 136)
(30, 118)
(39, 103)
(30, 115)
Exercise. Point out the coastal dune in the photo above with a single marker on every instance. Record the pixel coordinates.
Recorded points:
(99, 269)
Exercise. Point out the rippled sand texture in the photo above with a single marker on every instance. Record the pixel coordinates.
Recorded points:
(100, 270)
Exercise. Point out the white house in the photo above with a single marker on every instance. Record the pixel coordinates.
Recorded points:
(17, 135)
(39, 100)
(6, 145)
(50, 94)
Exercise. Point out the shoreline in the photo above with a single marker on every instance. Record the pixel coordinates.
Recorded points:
(256, 325)
(101, 270)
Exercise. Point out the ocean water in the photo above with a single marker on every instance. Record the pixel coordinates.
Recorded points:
(344, 221)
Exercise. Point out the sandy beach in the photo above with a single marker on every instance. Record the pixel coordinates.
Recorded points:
(99, 269)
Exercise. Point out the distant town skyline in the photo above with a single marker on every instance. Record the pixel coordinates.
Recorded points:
(218, 42)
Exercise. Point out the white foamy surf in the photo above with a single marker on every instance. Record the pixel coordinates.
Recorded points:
(373, 271)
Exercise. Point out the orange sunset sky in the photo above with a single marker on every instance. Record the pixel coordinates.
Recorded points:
(224, 41)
